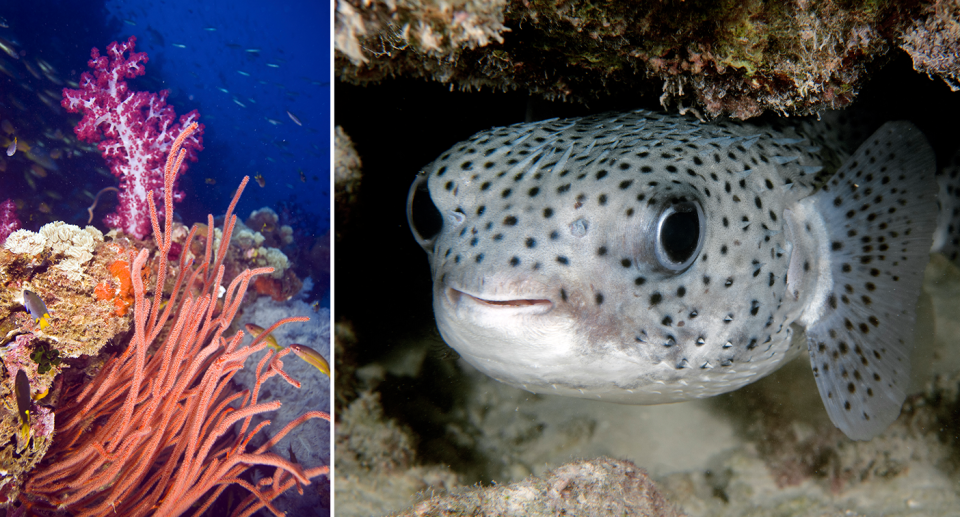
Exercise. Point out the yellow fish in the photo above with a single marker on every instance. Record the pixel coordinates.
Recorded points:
(256, 330)
(312, 357)
(260, 181)
(35, 306)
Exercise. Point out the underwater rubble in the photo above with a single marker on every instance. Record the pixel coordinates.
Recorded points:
(718, 58)
(602, 486)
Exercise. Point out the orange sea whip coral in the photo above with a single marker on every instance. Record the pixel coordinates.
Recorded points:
(147, 435)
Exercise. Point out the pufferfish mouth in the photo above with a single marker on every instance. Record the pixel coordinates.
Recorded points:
(460, 298)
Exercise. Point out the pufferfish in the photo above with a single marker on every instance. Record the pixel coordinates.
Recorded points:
(644, 258)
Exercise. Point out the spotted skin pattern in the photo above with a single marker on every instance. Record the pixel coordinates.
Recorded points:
(547, 274)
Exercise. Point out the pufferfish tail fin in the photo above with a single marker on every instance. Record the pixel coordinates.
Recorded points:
(946, 240)
(880, 213)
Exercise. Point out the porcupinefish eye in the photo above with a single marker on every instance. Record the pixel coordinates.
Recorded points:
(680, 233)
(423, 216)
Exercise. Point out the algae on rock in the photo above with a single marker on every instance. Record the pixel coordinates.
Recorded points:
(737, 58)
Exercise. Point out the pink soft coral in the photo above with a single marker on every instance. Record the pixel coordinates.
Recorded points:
(8, 219)
(134, 131)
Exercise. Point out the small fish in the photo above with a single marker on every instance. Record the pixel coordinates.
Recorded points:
(179, 45)
(237, 101)
(253, 50)
(35, 306)
(275, 122)
(245, 74)
(12, 148)
(303, 177)
(224, 90)
(273, 65)
(41, 394)
(260, 181)
(8, 47)
(645, 258)
(21, 388)
(256, 330)
(210, 181)
(38, 171)
(312, 357)
(294, 119)
(130, 22)
(209, 29)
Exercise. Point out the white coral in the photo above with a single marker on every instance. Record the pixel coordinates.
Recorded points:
(25, 241)
(73, 245)
(274, 258)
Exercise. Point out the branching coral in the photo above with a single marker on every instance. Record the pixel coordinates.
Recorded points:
(150, 435)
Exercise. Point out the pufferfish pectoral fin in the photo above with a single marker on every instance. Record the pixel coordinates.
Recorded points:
(879, 211)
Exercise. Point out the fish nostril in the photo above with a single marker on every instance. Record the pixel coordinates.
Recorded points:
(423, 216)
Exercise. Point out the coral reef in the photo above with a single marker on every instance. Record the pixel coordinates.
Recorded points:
(733, 58)
(149, 435)
(266, 222)
(249, 250)
(67, 278)
(134, 130)
(75, 273)
(601, 486)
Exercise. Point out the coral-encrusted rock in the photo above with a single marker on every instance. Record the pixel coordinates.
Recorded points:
(85, 286)
(16, 456)
(602, 486)
(733, 58)
(347, 175)
(84, 304)
(248, 250)
(933, 42)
